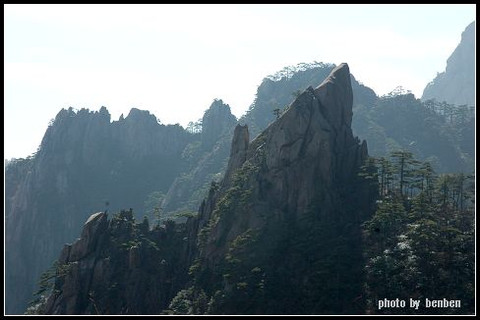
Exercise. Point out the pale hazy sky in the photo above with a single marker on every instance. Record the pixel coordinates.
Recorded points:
(173, 60)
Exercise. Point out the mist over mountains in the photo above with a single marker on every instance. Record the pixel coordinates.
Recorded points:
(87, 163)
(456, 85)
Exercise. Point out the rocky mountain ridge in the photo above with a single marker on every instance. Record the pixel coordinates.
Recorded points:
(88, 163)
(456, 85)
(297, 177)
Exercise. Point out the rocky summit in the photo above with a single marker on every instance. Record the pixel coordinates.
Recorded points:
(286, 199)
(279, 234)
(456, 85)
(86, 163)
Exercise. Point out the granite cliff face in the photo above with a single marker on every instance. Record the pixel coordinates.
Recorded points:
(118, 267)
(216, 122)
(313, 138)
(297, 178)
(280, 90)
(279, 234)
(276, 91)
(209, 159)
(85, 163)
(457, 84)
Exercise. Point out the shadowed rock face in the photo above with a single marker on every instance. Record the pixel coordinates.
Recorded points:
(309, 149)
(118, 267)
(217, 126)
(293, 184)
(303, 166)
(216, 121)
(80, 258)
(238, 153)
(95, 226)
(84, 161)
(457, 84)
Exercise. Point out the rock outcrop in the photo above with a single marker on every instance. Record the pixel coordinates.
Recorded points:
(118, 267)
(216, 121)
(76, 260)
(85, 163)
(188, 190)
(238, 153)
(279, 234)
(277, 91)
(457, 84)
(92, 231)
(299, 176)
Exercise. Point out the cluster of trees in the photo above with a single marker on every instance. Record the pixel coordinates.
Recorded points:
(194, 127)
(453, 114)
(142, 268)
(440, 133)
(279, 90)
(420, 243)
(289, 71)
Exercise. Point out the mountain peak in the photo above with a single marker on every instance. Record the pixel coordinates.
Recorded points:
(216, 121)
(336, 93)
(295, 178)
(238, 152)
(457, 84)
(141, 115)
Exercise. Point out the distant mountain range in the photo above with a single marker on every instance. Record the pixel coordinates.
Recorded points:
(86, 163)
(456, 85)
(306, 160)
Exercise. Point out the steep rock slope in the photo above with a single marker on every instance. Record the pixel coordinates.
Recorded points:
(281, 233)
(85, 163)
(92, 161)
(118, 267)
(216, 121)
(280, 90)
(276, 91)
(208, 157)
(457, 84)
